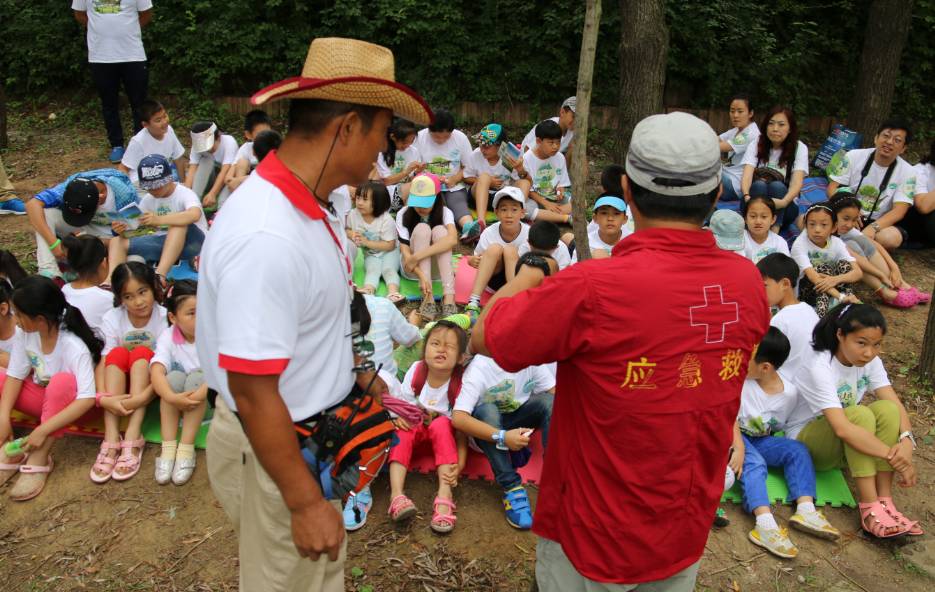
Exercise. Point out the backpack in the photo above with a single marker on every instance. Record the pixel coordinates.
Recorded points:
(421, 374)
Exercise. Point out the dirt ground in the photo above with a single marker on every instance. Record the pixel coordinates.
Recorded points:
(140, 536)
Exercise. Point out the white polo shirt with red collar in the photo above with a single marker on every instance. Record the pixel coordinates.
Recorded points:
(274, 293)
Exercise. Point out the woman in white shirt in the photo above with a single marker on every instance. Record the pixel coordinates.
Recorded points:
(777, 164)
(734, 143)
(873, 441)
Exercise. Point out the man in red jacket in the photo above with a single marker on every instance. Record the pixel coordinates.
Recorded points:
(652, 347)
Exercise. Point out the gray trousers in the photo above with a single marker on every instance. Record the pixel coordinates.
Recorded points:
(182, 383)
(45, 260)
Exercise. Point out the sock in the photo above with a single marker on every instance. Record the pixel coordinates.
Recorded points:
(169, 449)
(805, 508)
(474, 299)
(766, 522)
(186, 451)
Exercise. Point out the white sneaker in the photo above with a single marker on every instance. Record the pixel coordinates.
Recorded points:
(184, 467)
(815, 524)
(164, 468)
(774, 540)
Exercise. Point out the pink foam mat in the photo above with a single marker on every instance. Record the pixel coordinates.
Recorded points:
(464, 281)
(477, 466)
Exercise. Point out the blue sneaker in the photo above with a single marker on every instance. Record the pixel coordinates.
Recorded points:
(13, 206)
(470, 231)
(518, 512)
(116, 154)
(356, 509)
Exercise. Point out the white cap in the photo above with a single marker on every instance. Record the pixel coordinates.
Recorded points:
(204, 141)
(509, 192)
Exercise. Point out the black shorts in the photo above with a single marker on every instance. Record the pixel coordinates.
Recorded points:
(497, 281)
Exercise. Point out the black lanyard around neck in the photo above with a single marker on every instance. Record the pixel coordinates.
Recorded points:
(883, 184)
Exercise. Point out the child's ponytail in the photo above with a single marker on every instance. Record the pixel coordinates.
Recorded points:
(845, 318)
(74, 322)
(85, 254)
(10, 267)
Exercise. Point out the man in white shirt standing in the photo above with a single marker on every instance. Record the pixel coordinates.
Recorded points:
(116, 56)
(274, 334)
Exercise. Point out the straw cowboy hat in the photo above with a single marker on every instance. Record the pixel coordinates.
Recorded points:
(350, 71)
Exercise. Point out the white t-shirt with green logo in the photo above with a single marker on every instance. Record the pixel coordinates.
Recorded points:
(180, 200)
(547, 175)
(808, 254)
(739, 141)
(762, 414)
(846, 167)
(445, 159)
(486, 382)
(799, 161)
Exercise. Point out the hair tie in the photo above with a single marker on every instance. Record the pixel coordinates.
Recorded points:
(170, 290)
(843, 310)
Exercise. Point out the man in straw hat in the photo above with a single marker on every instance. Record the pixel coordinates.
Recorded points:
(274, 332)
(652, 347)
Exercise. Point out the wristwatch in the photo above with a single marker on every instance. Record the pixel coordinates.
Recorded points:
(500, 440)
(875, 227)
(908, 434)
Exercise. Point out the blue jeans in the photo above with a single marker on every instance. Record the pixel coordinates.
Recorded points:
(776, 190)
(536, 412)
(727, 182)
(772, 451)
(150, 246)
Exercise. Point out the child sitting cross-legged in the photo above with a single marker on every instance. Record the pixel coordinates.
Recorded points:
(501, 410)
(178, 380)
(766, 402)
(545, 168)
(370, 227)
(608, 227)
(497, 250)
(826, 266)
(427, 395)
(795, 319)
(544, 239)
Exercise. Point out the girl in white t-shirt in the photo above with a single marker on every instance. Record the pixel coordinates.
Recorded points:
(776, 165)
(400, 162)
(427, 236)
(734, 143)
(87, 256)
(370, 227)
(9, 331)
(423, 413)
(826, 267)
(759, 239)
(871, 440)
(50, 377)
(178, 380)
(131, 331)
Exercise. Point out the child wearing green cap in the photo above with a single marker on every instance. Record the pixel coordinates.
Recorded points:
(486, 173)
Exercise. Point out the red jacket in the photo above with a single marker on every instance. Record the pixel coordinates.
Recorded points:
(652, 347)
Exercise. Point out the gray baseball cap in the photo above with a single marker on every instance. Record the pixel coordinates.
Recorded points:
(728, 227)
(571, 103)
(674, 154)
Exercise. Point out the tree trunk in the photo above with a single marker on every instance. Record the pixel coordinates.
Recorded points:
(644, 45)
(579, 156)
(886, 33)
(927, 359)
(3, 132)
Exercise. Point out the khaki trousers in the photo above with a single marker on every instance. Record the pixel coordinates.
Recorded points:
(269, 561)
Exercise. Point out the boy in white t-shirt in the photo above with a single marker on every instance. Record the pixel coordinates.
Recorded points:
(795, 319)
(544, 240)
(608, 228)
(767, 401)
(255, 122)
(169, 207)
(212, 156)
(501, 410)
(544, 167)
(156, 137)
(497, 250)
(565, 121)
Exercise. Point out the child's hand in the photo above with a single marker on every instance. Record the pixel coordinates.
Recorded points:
(401, 424)
(149, 219)
(908, 477)
(553, 207)
(118, 227)
(114, 404)
(899, 456)
(496, 183)
(896, 278)
(735, 462)
(209, 200)
(413, 167)
(517, 164)
(474, 261)
(425, 285)
(515, 440)
(36, 439)
(449, 475)
(6, 429)
(826, 283)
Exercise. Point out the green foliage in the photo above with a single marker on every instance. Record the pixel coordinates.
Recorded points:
(792, 52)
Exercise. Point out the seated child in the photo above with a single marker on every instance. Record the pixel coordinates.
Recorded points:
(759, 239)
(444, 151)
(264, 143)
(881, 272)
(873, 440)
(497, 250)
(400, 163)
(131, 330)
(795, 319)
(370, 227)
(10, 332)
(173, 210)
(544, 168)
(50, 377)
(87, 256)
(500, 410)
(727, 228)
(486, 173)
(825, 265)
(430, 389)
(255, 122)
(156, 137)
(212, 156)
(177, 378)
(566, 123)
(608, 227)
(427, 236)
(766, 401)
(544, 239)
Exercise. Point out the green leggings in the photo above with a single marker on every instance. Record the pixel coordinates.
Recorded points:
(880, 418)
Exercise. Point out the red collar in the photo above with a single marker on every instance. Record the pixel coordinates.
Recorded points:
(666, 239)
(273, 170)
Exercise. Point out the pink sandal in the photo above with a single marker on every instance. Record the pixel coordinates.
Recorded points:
(911, 527)
(103, 463)
(8, 469)
(128, 460)
(443, 523)
(401, 508)
(921, 297)
(880, 521)
(904, 299)
(31, 482)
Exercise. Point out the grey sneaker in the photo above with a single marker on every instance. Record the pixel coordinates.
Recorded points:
(428, 310)
(815, 524)
(449, 309)
(775, 540)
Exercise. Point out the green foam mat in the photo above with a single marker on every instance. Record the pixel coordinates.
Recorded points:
(490, 217)
(408, 288)
(831, 487)
(152, 427)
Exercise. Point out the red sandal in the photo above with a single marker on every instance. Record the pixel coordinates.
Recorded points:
(911, 526)
(401, 508)
(880, 521)
(443, 523)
